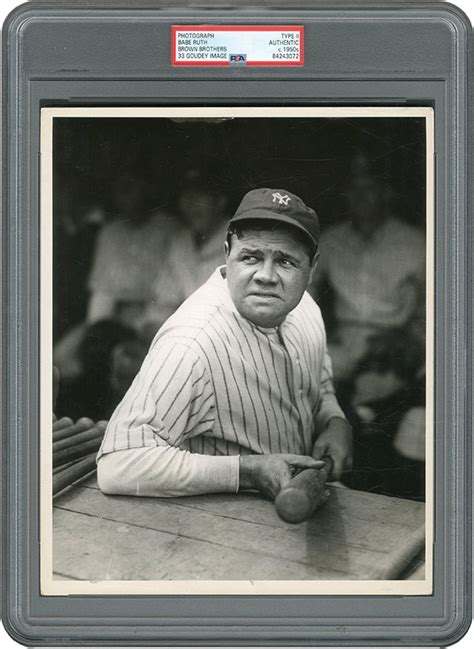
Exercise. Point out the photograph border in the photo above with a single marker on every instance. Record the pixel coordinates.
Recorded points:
(50, 586)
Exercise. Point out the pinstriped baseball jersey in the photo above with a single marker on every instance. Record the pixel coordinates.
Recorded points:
(215, 383)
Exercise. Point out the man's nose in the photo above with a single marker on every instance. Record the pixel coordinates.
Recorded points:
(266, 272)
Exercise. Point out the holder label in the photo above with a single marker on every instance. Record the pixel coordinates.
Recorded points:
(237, 45)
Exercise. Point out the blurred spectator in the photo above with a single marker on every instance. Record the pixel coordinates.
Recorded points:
(94, 393)
(130, 252)
(197, 250)
(127, 358)
(373, 267)
(387, 409)
(78, 218)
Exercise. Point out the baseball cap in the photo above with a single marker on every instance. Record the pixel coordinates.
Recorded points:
(278, 205)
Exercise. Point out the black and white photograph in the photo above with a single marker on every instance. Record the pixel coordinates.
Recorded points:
(236, 350)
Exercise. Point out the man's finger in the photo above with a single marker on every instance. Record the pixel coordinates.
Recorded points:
(305, 462)
(337, 467)
(320, 450)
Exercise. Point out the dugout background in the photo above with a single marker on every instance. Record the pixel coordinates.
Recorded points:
(312, 157)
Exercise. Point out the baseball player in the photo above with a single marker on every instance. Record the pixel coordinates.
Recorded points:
(236, 391)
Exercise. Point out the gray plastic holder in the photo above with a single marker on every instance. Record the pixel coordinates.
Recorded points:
(59, 54)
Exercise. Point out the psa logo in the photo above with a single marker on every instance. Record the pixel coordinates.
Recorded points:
(237, 59)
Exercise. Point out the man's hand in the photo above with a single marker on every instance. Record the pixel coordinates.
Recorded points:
(336, 442)
(269, 473)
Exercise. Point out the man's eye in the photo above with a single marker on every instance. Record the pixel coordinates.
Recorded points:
(251, 259)
(286, 263)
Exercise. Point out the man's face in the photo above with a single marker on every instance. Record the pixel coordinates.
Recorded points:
(365, 203)
(129, 198)
(267, 274)
(200, 209)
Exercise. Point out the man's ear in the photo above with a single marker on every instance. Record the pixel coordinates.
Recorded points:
(314, 265)
(226, 249)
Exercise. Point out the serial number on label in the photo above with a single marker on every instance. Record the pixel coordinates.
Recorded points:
(285, 56)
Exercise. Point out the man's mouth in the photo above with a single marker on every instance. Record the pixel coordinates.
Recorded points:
(265, 295)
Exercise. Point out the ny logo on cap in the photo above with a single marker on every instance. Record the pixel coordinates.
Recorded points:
(282, 200)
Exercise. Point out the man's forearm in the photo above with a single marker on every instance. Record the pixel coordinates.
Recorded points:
(340, 420)
(329, 409)
(338, 423)
(335, 441)
(165, 471)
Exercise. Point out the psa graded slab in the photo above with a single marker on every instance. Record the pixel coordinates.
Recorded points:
(236, 248)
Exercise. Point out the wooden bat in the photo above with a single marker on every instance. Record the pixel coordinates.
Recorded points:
(64, 422)
(70, 474)
(61, 467)
(300, 498)
(85, 435)
(81, 425)
(76, 451)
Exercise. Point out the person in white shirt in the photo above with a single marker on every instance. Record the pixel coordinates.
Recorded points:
(374, 266)
(129, 254)
(194, 252)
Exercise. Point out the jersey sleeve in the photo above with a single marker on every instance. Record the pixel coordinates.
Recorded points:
(328, 405)
(170, 399)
